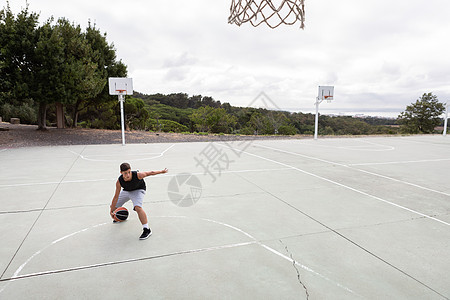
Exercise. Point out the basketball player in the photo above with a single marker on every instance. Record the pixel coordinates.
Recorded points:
(131, 186)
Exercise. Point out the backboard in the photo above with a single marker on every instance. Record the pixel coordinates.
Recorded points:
(326, 93)
(120, 86)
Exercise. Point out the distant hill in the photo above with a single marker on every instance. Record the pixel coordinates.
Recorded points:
(203, 113)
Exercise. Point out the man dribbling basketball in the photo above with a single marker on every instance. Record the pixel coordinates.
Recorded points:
(131, 186)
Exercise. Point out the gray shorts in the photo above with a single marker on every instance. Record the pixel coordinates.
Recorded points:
(137, 197)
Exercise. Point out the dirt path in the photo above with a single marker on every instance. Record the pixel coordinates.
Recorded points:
(14, 136)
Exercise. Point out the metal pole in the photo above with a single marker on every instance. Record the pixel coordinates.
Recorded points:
(445, 120)
(316, 124)
(121, 99)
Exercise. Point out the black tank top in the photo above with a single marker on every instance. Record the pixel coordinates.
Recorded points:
(134, 184)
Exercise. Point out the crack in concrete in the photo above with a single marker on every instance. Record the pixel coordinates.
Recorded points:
(296, 269)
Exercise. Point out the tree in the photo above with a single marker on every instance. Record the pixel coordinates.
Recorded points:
(107, 65)
(261, 124)
(136, 116)
(278, 119)
(287, 130)
(65, 70)
(422, 116)
(342, 125)
(18, 37)
(215, 120)
(53, 63)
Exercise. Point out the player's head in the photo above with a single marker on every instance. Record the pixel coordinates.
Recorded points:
(124, 167)
(125, 170)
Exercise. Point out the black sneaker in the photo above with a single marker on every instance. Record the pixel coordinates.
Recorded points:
(145, 234)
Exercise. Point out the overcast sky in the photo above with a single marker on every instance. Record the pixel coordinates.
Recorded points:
(380, 55)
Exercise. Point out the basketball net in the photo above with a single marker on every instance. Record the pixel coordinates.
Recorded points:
(265, 11)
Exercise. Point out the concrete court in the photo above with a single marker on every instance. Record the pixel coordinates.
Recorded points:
(349, 218)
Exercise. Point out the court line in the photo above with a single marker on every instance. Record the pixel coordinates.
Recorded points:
(120, 154)
(334, 230)
(123, 261)
(52, 182)
(253, 241)
(38, 217)
(356, 169)
(445, 145)
(16, 273)
(109, 160)
(113, 179)
(402, 181)
(340, 184)
(387, 148)
(310, 143)
(400, 162)
(280, 254)
(381, 145)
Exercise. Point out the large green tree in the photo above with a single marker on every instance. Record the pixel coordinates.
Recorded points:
(57, 62)
(107, 65)
(17, 44)
(65, 71)
(422, 116)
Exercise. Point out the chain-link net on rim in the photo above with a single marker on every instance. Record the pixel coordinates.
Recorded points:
(272, 12)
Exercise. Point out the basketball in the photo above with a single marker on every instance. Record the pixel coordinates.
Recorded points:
(120, 214)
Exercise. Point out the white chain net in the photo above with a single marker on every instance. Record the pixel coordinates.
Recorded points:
(273, 13)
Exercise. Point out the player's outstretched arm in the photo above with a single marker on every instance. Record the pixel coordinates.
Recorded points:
(151, 173)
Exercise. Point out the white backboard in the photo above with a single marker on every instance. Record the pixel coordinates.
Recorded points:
(326, 92)
(120, 86)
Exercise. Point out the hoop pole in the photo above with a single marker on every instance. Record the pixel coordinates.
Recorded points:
(121, 99)
(316, 123)
(445, 120)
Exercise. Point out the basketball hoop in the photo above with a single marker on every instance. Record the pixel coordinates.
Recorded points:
(325, 93)
(121, 86)
(265, 11)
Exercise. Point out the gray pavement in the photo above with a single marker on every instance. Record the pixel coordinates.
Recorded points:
(348, 218)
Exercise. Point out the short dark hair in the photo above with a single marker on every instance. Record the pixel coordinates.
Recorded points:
(124, 167)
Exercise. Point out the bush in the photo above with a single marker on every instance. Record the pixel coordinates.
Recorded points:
(25, 112)
(287, 130)
(166, 126)
(327, 131)
(247, 131)
(107, 120)
(84, 124)
(214, 120)
(306, 129)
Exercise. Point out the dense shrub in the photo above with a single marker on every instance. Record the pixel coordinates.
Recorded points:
(166, 126)
(26, 112)
(287, 130)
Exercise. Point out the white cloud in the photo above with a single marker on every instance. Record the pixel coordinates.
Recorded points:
(378, 54)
